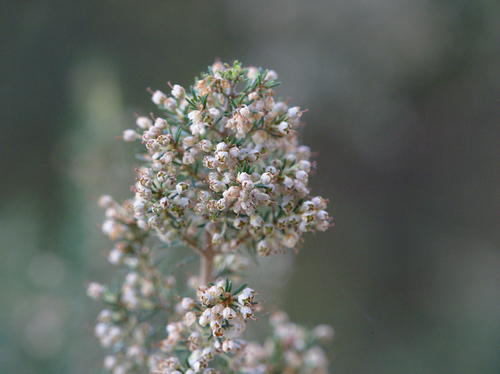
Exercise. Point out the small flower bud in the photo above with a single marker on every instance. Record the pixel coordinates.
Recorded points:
(205, 145)
(158, 97)
(144, 122)
(178, 92)
(227, 345)
(130, 136)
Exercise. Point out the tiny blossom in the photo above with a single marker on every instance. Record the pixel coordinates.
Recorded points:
(130, 135)
(144, 122)
(95, 290)
(158, 97)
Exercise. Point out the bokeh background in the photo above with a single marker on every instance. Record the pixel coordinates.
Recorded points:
(404, 110)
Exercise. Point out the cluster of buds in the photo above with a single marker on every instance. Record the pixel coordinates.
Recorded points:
(223, 309)
(290, 349)
(223, 173)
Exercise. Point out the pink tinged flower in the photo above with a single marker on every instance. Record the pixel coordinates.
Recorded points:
(322, 215)
(234, 152)
(95, 290)
(228, 313)
(256, 221)
(130, 136)
(181, 187)
(188, 158)
(240, 222)
(263, 248)
(167, 158)
(242, 177)
(203, 320)
(260, 137)
(213, 112)
(322, 225)
(190, 318)
(205, 145)
(308, 206)
(161, 123)
(227, 345)
(178, 92)
(195, 116)
(308, 217)
(284, 128)
(319, 202)
(163, 140)
(247, 185)
(189, 141)
(221, 156)
(198, 128)
(290, 240)
(158, 97)
(144, 122)
(271, 75)
(246, 311)
(217, 239)
(301, 175)
(152, 145)
(264, 199)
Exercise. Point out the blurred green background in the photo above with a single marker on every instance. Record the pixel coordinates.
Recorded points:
(404, 110)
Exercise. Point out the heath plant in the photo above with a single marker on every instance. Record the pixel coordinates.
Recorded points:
(222, 175)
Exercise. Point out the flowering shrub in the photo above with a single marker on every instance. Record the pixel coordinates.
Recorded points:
(224, 175)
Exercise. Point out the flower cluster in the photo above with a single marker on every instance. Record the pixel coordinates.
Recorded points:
(225, 168)
(223, 173)
(290, 349)
(223, 308)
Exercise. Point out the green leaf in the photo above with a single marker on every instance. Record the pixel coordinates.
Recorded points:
(232, 102)
(177, 134)
(240, 289)
(274, 84)
(204, 101)
(191, 103)
(226, 287)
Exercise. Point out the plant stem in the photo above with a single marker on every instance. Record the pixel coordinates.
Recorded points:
(206, 265)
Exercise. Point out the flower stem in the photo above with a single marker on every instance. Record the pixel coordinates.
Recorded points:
(206, 266)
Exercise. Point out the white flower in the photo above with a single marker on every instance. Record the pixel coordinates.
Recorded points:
(198, 128)
(158, 97)
(144, 122)
(178, 92)
(130, 136)
(284, 128)
(190, 318)
(167, 158)
(246, 312)
(161, 123)
(95, 290)
(189, 141)
(256, 221)
(271, 75)
(195, 116)
(217, 239)
(227, 345)
(228, 313)
(205, 145)
(188, 158)
(213, 112)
